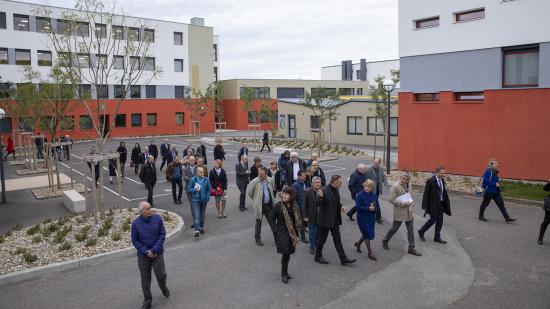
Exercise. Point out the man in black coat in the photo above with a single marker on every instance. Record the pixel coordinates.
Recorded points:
(312, 201)
(243, 178)
(148, 175)
(317, 171)
(153, 149)
(242, 152)
(164, 150)
(294, 165)
(172, 154)
(329, 219)
(435, 202)
(201, 151)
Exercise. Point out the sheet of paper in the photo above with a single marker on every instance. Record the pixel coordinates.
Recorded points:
(405, 198)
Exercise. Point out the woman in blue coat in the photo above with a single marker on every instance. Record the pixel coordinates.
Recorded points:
(491, 191)
(366, 203)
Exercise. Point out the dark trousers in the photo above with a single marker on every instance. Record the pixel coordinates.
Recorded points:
(284, 264)
(149, 187)
(497, 197)
(179, 183)
(242, 197)
(544, 224)
(67, 153)
(322, 234)
(265, 144)
(395, 227)
(145, 265)
(136, 168)
(353, 209)
(164, 159)
(438, 220)
(7, 155)
(266, 211)
(39, 154)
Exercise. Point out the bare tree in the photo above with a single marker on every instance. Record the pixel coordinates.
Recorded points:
(324, 105)
(249, 96)
(267, 114)
(122, 60)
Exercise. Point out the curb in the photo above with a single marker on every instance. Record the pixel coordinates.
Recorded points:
(46, 270)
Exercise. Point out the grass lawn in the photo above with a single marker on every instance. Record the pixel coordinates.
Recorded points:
(523, 191)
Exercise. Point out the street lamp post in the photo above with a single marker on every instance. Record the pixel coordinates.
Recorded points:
(2, 116)
(389, 86)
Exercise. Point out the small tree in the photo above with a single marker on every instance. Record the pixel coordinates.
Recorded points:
(324, 105)
(218, 101)
(269, 115)
(199, 106)
(249, 97)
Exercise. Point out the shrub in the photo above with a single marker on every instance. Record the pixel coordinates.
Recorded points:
(19, 250)
(17, 227)
(36, 239)
(83, 234)
(166, 216)
(33, 230)
(64, 247)
(91, 242)
(29, 258)
(107, 224)
(53, 227)
(80, 219)
(102, 232)
(45, 232)
(1, 239)
(7, 234)
(130, 209)
(58, 238)
(116, 236)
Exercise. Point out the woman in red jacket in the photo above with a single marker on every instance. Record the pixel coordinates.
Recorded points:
(10, 148)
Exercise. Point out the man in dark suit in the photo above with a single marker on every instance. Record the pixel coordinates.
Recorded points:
(153, 149)
(377, 175)
(148, 175)
(243, 178)
(435, 202)
(144, 156)
(164, 150)
(294, 165)
(242, 152)
(329, 219)
(172, 154)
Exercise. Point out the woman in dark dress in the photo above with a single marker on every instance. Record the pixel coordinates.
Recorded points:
(286, 221)
(136, 152)
(218, 181)
(112, 169)
(123, 156)
(366, 203)
(546, 208)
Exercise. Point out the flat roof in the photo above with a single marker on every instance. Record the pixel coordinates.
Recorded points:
(294, 79)
(339, 65)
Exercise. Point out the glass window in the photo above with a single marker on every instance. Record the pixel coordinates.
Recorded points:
(469, 96)
(44, 57)
(120, 121)
(149, 64)
(259, 92)
(101, 61)
(288, 93)
(22, 56)
(135, 92)
(118, 62)
(180, 118)
(102, 91)
(355, 125)
(359, 91)
(178, 38)
(151, 119)
(426, 96)
(179, 92)
(178, 65)
(314, 122)
(83, 29)
(134, 63)
(427, 23)
(117, 32)
(85, 91)
(43, 25)
(358, 74)
(67, 123)
(100, 30)
(136, 120)
(21, 22)
(119, 91)
(84, 60)
(149, 35)
(521, 67)
(2, 20)
(64, 58)
(215, 74)
(393, 126)
(150, 91)
(323, 92)
(470, 15)
(62, 26)
(133, 34)
(346, 91)
(85, 122)
(215, 52)
(4, 56)
(374, 126)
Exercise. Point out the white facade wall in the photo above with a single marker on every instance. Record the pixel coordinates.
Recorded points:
(374, 69)
(506, 23)
(163, 49)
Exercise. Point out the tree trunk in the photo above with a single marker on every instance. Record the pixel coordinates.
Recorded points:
(101, 185)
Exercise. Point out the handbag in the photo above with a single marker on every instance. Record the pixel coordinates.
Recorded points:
(546, 205)
(479, 190)
(216, 192)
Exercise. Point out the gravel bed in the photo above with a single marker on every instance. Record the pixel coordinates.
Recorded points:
(453, 182)
(17, 244)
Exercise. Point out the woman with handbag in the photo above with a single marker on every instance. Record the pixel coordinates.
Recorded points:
(218, 181)
(546, 208)
(199, 187)
(492, 186)
(136, 153)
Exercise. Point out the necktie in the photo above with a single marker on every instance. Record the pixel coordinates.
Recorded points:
(440, 189)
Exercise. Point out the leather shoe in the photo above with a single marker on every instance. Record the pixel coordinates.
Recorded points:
(385, 244)
(311, 251)
(421, 236)
(540, 242)
(412, 251)
(289, 276)
(146, 305)
(166, 293)
(379, 221)
(350, 217)
(241, 209)
(483, 219)
(321, 260)
(285, 278)
(347, 261)
(259, 242)
(441, 241)
(245, 208)
(508, 220)
(304, 240)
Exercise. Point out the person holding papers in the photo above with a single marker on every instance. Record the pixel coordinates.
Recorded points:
(435, 202)
(402, 211)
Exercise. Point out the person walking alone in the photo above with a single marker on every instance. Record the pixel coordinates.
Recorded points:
(435, 202)
(199, 187)
(546, 208)
(10, 149)
(218, 181)
(260, 190)
(492, 186)
(265, 142)
(286, 220)
(148, 235)
(123, 156)
(366, 203)
(148, 175)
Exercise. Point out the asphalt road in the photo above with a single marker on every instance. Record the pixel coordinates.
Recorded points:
(484, 265)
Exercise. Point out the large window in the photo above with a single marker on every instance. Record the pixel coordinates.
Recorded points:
(118, 62)
(43, 24)
(120, 121)
(178, 65)
(215, 52)
(22, 56)
(346, 91)
(85, 122)
(102, 91)
(134, 63)
(314, 122)
(288, 93)
(178, 38)
(21, 22)
(149, 64)
(180, 118)
(470, 15)
(133, 34)
(4, 56)
(420, 97)
(83, 29)
(323, 92)
(2, 20)
(374, 126)
(150, 91)
(136, 120)
(84, 60)
(119, 91)
(101, 60)
(151, 119)
(521, 67)
(259, 92)
(67, 123)
(101, 30)
(135, 92)
(149, 35)
(117, 32)
(44, 57)
(62, 26)
(359, 91)
(85, 91)
(427, 23)
(355, 125)
(393, 126)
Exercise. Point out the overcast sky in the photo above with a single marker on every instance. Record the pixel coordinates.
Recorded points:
(282, 38)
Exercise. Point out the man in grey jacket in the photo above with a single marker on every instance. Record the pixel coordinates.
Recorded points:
(376, 174)
(243, 178)
(189, 172)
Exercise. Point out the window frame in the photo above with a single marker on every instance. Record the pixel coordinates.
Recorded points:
(121, 58)
(314, 122)
(148, 89)
(418, 22)
(148, 38)
(435, 97)
(396, 126)
(133, 89)
(80, 63)
(83, 89)
(7, 60)
(182, 118)
(44, 52)
(132, 120)
(99, 90)
(99, 57)
(80, 26)
(457, 15)
(130, 30)
(65, 28)
(3, 20)
(80, 122)
(180, 34)
(63, 122)
(115, 33)
(519, 50)
(118, 117)
(175, 63)
(26, 62)
(100, 29)
(155, 119)
(478, 96)
(135, 63)
(40, 27)
(146, 61)
(118, 92)
(21, 17)
(356, 118)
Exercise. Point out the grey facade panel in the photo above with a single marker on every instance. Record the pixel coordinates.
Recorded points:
(32, 23)
(344, 68)
(544, 65)
(165, 92)
(363, 70)
(11, 56)
(459, 71)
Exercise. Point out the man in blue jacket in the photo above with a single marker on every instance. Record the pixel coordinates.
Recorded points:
(148, 238)
(355, 185)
